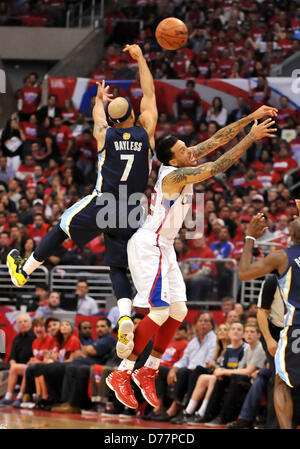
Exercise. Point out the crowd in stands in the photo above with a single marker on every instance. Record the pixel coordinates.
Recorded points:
(206, 376)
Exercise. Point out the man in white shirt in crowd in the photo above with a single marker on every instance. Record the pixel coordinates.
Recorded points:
(184, 373)
(86, 304)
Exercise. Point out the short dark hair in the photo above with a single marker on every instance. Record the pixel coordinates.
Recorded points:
(103, 318)
(164, 153)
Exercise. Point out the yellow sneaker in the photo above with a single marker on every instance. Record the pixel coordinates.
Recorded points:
(14, 264)
(125, 337)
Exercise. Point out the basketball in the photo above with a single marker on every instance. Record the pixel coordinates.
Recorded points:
(171, 33)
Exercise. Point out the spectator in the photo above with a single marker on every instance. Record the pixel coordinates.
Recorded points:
(25, 211)
(25, 169)
(75, 381)
(87, 153)
(53, 306)
(38, 229)
(217, 112)
(12, 143)
(6, 172)
(184, 373)
(226, 306)
(197, 273)
(123, 72)
(63, 137)
(29, 97)
(4, 246)
(233, 346)
(21, 352)
(86, 304)
(232, 317)
(40, 347)
(242, 110)
(188, 101)
(85, 332)
(50, 374)
(237, 380)
(69, 113)
(51, 110)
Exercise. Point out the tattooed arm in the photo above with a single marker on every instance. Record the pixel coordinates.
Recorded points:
(174, 182)
(99, 116)
(227, 133)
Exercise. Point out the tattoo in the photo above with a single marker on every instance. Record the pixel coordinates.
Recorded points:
(221, 137)
(191, 175)
(180, 175)
(233, 155)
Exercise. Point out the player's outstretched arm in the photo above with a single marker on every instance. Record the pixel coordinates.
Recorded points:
(177, 179)
(99, 116)
(224, 135)
(276, 260)
(148, 108)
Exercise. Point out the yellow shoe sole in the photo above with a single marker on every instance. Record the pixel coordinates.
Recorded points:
(18, 279)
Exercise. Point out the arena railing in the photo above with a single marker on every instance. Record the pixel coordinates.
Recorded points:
(80, 14)
(250, 289)
(214, 292)
(9, 293)
(64, 278)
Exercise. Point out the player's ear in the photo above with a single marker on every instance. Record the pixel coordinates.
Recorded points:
(173, 162)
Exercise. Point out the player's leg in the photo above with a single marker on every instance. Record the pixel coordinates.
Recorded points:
(123, 291)
(283, 403)
(116, 258)
(20, 269)
(119, 380)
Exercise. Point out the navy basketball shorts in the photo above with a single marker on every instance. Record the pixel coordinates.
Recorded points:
(80, 223)
(287, 357)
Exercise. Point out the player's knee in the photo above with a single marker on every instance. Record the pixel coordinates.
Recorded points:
(159, 314)
(178, 310)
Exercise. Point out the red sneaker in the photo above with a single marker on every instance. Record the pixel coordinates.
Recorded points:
(145, 380)
(119, 382)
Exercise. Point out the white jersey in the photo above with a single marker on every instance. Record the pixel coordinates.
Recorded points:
(167, 216)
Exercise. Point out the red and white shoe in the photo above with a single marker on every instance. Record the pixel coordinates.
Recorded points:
(119, 382)
(145, 380)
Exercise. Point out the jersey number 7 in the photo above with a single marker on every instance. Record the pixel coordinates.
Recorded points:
(129, 158)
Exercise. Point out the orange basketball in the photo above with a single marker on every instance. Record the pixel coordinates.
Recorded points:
(171, 33)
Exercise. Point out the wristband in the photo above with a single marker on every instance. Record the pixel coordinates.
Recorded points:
(250, 237)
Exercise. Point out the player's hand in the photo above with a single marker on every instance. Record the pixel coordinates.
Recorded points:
(171, 378)
(263, 129)
(257, 226)
(134, 51)
(263, 111)
(102, 92)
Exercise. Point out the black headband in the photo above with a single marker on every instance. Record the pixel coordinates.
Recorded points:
(125, 116)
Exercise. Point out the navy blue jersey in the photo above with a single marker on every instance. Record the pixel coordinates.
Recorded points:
(289, 283)
(232, 357)
(124, 160)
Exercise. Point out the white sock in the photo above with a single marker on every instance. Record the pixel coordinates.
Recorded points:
(126, 365)
(202, 409)
(191, 407)
(8, 396)
(19, 396)
(152, 362)
(31, 264)
(125, 306)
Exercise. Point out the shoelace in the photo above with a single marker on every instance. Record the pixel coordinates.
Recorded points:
(19, 261)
